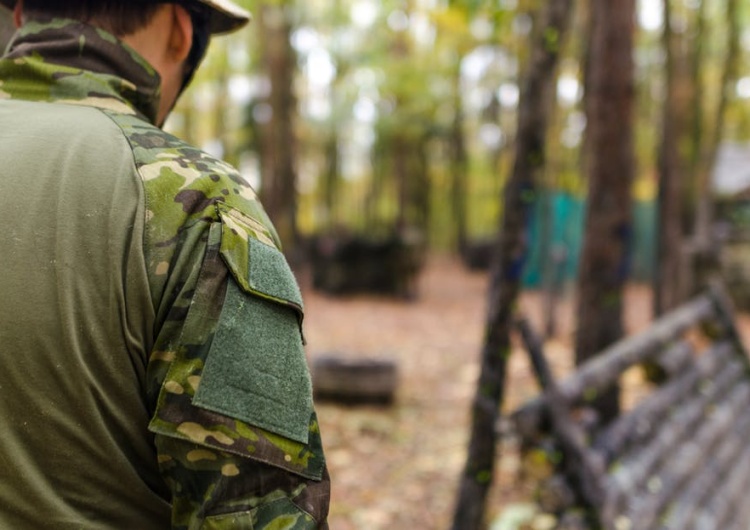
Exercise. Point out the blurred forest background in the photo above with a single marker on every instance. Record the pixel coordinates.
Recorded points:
(400, 117)
(402, 121)
(383, 116)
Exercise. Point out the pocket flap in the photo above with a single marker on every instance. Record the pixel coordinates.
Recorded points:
(258, 266)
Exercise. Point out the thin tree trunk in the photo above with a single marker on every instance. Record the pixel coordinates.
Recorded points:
(604, 258)
(669, 240)
(704, 207)
(331, 179)
(6, 28)
(278, 176)
(400, 152)
(697, 117)
(506, 272)
(459, 162)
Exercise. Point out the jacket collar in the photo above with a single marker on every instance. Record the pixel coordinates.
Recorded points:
(68, 61)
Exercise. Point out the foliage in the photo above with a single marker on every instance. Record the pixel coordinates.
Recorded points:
(375, 75)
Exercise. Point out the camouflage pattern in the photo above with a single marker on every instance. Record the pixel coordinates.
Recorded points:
(201, 216)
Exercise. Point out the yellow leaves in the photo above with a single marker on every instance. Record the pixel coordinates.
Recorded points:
(453, 28)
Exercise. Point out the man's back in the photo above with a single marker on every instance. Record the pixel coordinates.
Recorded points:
(75, 324)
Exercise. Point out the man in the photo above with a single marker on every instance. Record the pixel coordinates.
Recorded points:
(153, 372)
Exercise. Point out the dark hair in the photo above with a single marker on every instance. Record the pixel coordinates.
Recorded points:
(121, 17)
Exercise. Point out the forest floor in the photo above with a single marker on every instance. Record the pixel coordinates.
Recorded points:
(397, 467)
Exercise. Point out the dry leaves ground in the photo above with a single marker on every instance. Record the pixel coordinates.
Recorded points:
(397, 467)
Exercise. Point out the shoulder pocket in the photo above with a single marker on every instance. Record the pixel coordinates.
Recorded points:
(256, 370)
(250, 252)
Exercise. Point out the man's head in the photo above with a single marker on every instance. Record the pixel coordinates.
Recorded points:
(172, 35)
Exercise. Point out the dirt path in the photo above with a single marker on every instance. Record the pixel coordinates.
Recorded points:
(396, 468)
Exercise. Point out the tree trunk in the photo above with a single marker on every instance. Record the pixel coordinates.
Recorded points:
(697, 128)
(506, 272)
(6, 28)
(704, 245)
(669, 238)
(459, 162)
(278, 176)
(331, 179)
(609, 118)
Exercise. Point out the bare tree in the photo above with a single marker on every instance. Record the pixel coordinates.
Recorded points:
(610, 167)
(520, 190)
(672, 171)
(6, 28)
(278, 140)
(707, 149)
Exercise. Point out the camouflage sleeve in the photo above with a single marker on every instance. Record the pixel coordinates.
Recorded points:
(237, 437)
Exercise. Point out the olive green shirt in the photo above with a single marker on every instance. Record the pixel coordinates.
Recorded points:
(153, 373)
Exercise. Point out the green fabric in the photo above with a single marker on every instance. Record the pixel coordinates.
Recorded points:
(270, 274)
(280, 514)
(256, 369)
(76, 318)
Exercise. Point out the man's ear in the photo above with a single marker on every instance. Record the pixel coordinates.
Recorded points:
(18, 14)
(181, 37)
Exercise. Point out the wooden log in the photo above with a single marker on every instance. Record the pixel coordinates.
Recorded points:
(729, 503)
(575, 520)
(682, 510)
(685, 460)
(724, 310)
(634, 469)
(598, 373)
(354, 381)
(676, 358)
(555, 494)
(601, 371)
(584, 466)
(725, 501)
(639, 423)
(740, 508)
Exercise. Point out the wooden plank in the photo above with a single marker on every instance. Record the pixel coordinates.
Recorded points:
(676, 358)
(639, 423)
(708, 481)
(685, 460)
(725, 501)
(595, 375)
(680, 458)
(579, 462)
(740, 508)
(633, 470)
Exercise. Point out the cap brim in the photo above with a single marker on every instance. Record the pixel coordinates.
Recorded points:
(225, 18)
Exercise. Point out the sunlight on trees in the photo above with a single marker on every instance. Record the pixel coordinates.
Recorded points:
(383, 91)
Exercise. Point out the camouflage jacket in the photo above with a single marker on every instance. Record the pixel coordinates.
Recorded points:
(155, 314)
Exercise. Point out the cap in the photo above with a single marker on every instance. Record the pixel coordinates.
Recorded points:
(226, 16)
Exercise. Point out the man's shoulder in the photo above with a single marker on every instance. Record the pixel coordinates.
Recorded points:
(184, 184)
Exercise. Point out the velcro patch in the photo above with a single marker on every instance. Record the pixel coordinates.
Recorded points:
(256, 370)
